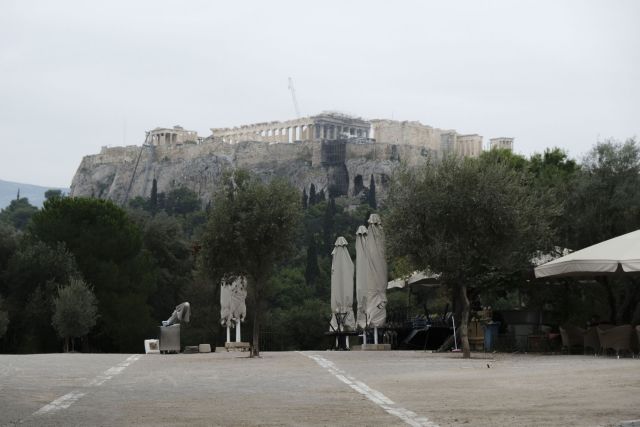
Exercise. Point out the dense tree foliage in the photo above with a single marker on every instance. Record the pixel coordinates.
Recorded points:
(4, 319)
(50, 194)
(605, 203)
(30, 281)
(107, 247)
(18, 213)
(171, 255)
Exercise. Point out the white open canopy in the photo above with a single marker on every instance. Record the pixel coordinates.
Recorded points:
(418, 278)
(620, 254)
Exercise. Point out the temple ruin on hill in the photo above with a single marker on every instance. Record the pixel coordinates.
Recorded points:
(331, 126)
(325, 126)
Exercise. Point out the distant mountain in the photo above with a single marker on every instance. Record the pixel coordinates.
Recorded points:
(35, 193)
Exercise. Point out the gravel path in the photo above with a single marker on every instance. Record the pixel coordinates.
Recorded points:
(318, 388)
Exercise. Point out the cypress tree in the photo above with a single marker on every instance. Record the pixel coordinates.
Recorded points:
(312, 270)
(328, 225)
(312, 195)
(153, 200)
(371, 198)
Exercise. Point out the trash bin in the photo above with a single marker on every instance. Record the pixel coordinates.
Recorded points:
(490, 335)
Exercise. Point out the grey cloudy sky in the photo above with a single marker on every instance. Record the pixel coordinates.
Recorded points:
(77, 75)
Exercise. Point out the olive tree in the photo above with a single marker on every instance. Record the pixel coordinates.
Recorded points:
(469, 220)
(252, 227)
(75, 311)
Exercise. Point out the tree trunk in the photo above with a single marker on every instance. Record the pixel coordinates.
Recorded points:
(66, 344)
(464, 323)
(255, 347)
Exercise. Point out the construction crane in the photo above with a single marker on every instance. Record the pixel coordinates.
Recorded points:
(293, 95)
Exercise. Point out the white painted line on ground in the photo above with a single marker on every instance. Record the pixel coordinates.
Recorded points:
(68, 399)
(112, 372)
(60, 403)
(375, 396)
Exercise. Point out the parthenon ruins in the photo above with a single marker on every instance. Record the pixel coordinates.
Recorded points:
(331, 126)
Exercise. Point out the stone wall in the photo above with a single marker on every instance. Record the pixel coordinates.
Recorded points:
(406, 133)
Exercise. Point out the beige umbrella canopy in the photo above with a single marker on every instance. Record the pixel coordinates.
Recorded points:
(232, 300)
(225, 304)
(361, 276)
(618, 255)
(342, 285)
(423, 278)
(376, 273)
(238, 297)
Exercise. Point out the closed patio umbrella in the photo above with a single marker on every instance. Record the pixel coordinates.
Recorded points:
(361, 277)
(342, 285)
(225, 307)
(376, 275)
(238, 306)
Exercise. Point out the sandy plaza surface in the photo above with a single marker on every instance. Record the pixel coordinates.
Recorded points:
(319, 388)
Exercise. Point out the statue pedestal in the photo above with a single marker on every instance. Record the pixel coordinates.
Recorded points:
(170, 339)
(237, 346)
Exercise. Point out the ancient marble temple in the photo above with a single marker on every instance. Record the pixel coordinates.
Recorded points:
(324, 126)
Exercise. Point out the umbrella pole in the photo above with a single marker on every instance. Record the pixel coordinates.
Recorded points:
(238, 330)
(228, 334)
(375, 335)
(455, 340)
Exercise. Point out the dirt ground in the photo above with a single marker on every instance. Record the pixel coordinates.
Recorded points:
(319, 388)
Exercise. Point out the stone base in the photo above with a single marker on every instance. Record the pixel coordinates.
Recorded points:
(204, 348)
(237, 346)
(375, 347)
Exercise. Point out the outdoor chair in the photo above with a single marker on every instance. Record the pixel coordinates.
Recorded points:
(475, 335)
(572, 336)
(616, 338)
(591, 340)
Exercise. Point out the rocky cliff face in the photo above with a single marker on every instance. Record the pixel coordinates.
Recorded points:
(122, 173)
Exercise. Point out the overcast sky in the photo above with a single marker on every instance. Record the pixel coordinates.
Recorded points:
(78, 75)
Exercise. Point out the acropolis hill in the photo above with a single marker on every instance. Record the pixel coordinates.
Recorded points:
(335, 152)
